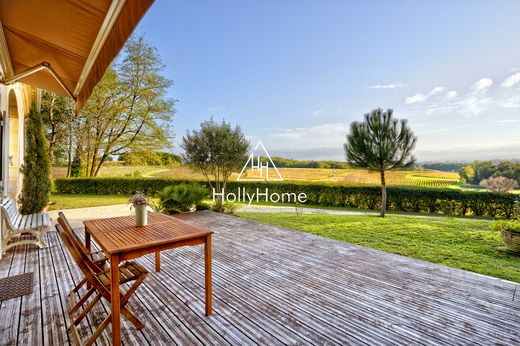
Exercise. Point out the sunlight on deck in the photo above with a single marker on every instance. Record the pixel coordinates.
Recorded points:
(272, 286)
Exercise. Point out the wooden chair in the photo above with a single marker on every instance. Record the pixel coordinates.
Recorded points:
(98, 257)
(100, 282)
(14, 225)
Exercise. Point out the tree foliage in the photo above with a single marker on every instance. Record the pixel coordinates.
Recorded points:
(216, 150)
(129, 110)
(477, 171)
(149, 158)
(499, 184)
(36, 186)
(380, 143)
(57, 114)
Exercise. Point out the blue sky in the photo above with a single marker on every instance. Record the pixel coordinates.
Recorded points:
(296, 73)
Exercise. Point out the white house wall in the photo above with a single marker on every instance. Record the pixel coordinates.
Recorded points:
(13, 132)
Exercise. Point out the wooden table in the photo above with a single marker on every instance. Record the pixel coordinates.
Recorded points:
(121, 240)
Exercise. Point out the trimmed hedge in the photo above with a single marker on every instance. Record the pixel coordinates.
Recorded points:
(416, 200)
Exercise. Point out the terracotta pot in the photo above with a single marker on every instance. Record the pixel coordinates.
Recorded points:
(512, 240)
(141, 215)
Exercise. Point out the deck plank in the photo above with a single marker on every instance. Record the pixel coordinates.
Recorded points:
(271, 286)
(10, 309)
(55, 323)
(29, 330)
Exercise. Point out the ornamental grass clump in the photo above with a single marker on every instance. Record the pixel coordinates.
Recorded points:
(182, 198)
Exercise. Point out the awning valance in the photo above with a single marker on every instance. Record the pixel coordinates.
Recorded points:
(64, 46)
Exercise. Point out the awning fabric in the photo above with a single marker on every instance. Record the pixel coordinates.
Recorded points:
(76, 40)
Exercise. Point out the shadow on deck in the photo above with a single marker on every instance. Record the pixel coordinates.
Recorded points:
(272, 286)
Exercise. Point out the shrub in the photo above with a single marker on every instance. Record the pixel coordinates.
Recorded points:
(416, 200)
(77, 167)
(114, 186)
(229, 208)
(36, 168)
(182, 197)
(499, 184)
(510, 225)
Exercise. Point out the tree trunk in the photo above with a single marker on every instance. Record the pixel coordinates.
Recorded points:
(69, 153)
(383, 194)
(218, 207)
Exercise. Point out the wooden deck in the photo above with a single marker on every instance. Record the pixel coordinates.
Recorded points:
(273, 286)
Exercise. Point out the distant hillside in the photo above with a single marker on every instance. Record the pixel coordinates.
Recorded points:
(281, 162)
(443, 166)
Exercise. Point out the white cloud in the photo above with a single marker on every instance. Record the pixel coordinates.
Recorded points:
(317, 113)
(481, 85)
(420, 97)
(437, 90)
(479, 99)
(473, 105)
(386, 86)
(511, 102)
(508, 121)
(451, 94)
(437, 101)
(510, 81)
(417, 98)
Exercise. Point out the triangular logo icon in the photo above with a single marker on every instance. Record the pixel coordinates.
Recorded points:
(259, 166)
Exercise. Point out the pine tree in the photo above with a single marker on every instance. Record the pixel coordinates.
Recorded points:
(36, 186)
(380, 143)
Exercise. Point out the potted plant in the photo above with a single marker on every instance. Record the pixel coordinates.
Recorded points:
(510, 234)
(140, 202)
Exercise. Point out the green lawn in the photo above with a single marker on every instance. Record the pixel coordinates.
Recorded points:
(68, 201)
(468, 244)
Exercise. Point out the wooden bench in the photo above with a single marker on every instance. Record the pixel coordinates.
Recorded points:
(14, 225)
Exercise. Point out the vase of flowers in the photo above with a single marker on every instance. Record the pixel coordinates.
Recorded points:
(140, 203)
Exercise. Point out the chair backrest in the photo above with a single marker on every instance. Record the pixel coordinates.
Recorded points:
(70, 231)
(10, 212)
(83, 261)
(76, 242)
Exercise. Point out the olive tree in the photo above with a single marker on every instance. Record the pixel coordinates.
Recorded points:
(216, 150)
(380, 143)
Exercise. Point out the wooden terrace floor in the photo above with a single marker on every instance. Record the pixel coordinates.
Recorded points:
(273, 286)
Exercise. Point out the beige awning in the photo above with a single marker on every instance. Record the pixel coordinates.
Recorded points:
(64, 46)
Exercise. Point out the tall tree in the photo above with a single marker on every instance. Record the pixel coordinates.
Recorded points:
(58, 117)
(380, 143)
(129, 109)
(36, 186)
(216, 150)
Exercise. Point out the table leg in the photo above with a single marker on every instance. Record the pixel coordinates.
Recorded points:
(115, 300)
(157, 261)
(207, 274)
(88, 243)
